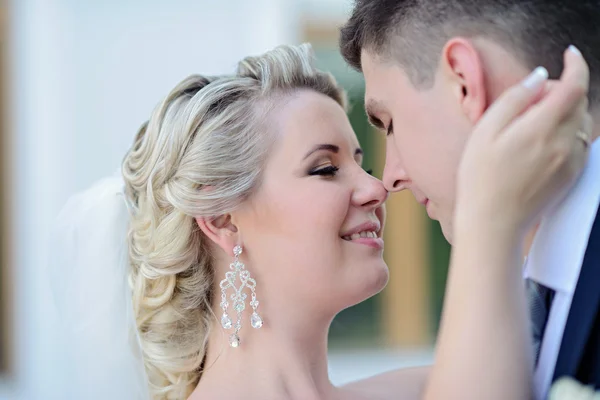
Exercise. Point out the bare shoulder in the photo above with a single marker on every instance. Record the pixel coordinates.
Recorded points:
(401, 384)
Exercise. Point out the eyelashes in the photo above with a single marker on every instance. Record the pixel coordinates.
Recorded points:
(327, 171)
(331, 171)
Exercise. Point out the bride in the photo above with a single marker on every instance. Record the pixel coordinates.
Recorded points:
(243, 222)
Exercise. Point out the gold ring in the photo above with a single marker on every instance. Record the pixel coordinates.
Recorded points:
(585, 138)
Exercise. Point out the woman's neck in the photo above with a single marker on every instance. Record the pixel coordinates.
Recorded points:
(273, 362)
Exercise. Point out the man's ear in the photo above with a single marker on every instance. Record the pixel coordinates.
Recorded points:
(221, 231)
(463, 69)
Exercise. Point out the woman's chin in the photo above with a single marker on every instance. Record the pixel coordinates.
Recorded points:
(380, 279)
(371, 282)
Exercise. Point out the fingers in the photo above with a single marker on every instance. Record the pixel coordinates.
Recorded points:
(576, 75)
(576, 126)
(513, 102)
(547, 88)
(568, 146)
(566, 93)
(580, 145)
(539, 128)
(588, 126)
(563, 109)
(586, 122)
(545, 126)
(586, 134)
(551, 125)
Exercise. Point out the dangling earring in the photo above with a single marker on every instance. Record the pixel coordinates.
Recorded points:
(238, 297)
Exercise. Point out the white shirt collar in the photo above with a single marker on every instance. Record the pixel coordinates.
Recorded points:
(559, 246)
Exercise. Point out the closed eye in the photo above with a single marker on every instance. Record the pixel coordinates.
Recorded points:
(330, 170)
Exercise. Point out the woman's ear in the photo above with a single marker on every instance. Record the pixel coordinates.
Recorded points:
(221, 231)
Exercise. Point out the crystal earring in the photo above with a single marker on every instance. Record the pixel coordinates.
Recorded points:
(238, 297)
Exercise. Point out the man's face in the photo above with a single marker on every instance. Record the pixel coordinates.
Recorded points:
(429, 133)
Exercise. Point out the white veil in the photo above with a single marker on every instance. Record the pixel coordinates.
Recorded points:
(101, 354)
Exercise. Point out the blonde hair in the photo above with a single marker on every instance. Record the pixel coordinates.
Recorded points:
(199, 155)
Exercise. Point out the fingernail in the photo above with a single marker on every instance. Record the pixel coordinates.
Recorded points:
(536, 78)
(575, 50)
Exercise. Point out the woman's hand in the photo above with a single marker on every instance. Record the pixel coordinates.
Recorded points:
(525, 152)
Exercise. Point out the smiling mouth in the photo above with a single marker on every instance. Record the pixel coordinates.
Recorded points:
(363, 234)
(365, 238)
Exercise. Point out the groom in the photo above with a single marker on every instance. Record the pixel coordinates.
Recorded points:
(431, 69)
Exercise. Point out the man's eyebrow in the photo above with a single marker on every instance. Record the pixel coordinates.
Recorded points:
(373, 107)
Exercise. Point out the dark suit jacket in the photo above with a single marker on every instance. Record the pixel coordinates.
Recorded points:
(579, 354)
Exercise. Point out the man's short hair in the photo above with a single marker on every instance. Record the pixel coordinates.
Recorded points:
(413, 32)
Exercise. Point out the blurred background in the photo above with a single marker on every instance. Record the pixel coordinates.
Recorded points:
(77, 78)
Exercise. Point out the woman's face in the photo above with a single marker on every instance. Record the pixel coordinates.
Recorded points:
(312, 232)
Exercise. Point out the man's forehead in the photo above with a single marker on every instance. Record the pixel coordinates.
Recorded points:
(368, 59)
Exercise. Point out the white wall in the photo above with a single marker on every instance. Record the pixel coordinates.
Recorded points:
(327, 10)
(84, 75)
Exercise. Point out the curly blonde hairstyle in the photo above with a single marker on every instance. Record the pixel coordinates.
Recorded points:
(199, 155)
